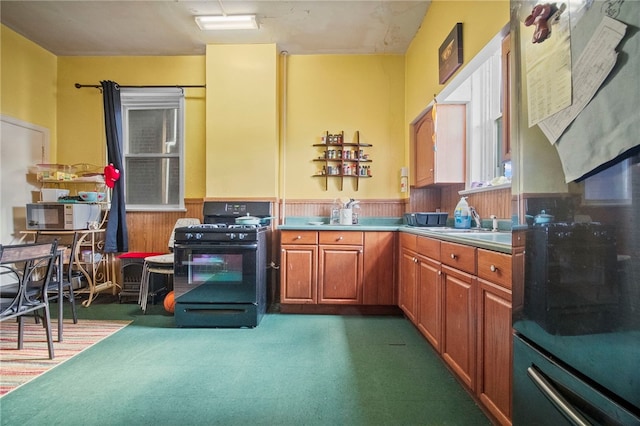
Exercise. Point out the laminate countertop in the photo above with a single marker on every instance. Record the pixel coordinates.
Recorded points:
(497, 241)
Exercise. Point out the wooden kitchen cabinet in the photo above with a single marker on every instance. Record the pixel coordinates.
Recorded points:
(407, 297)
(429, 317)
(408, 282)
(439, 146)
(459, 298)
(421, 286)
(328, 267)
(340, 267)
(299, 267)
(459, 331)
(459, 310)
(379, 275)
(494, 334)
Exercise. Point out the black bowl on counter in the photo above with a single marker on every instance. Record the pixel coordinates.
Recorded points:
(426, 219)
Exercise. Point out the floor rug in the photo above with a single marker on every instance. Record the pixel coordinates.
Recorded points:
(18, 367)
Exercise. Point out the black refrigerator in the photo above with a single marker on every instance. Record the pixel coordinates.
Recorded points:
(576, 309)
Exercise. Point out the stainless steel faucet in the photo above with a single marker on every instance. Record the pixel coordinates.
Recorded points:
(475, 216)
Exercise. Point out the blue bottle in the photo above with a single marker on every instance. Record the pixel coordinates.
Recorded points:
(462, 215)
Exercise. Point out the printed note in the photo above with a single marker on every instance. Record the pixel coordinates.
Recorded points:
(593, 66)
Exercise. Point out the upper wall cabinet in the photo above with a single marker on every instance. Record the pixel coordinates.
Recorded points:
(439, 146)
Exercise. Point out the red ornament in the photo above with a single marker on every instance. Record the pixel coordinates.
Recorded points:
(111, 175)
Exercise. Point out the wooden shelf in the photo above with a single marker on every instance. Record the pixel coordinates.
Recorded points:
(334, 157)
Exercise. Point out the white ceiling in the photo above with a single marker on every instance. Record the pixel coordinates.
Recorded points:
(167, 27)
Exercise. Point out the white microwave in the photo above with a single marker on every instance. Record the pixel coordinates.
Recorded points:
(62, 216)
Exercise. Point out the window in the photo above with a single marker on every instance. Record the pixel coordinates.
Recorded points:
(479, 85)
(153, 131)
(486, 121)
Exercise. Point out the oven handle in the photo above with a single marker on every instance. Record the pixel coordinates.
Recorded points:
(243, 246)
(556, 398)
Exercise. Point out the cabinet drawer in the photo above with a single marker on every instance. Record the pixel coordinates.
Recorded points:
(341, 237)
(458, 256)
(299, 237)
(428, 247)
(495, 267)
(408, 241)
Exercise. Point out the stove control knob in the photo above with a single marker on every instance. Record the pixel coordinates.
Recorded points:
(199, 235)
(232, 236)
(241, 236)
(188, 235)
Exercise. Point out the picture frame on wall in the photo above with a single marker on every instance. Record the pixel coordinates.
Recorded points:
(450, 53)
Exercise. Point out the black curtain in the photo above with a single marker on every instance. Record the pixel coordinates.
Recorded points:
(116, 238)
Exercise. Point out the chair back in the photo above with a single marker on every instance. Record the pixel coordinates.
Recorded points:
(70, 243)
(184, 221)
(27, 265)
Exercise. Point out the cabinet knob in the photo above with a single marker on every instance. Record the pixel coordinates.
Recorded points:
(453, 256)
(439, 272)
(299, 237)
(415, 260)
(493, 268)
(339, 238)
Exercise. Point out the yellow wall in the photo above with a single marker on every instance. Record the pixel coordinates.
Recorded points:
(28, 83)
(232, 131)
(242, 121)
(481, 21)
(333, 93)
(80, 111)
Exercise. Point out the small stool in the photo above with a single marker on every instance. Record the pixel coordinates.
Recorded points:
(159, 264)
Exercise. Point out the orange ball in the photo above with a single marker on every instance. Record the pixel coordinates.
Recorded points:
(169, 302)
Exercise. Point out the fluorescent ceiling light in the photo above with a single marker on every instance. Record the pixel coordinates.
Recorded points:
(227, 22)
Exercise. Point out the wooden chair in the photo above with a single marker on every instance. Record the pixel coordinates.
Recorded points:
(28, 265)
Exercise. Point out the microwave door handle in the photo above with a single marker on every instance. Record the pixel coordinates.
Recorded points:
(556, 398)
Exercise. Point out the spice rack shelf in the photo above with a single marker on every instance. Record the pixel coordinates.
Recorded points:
(343, 159)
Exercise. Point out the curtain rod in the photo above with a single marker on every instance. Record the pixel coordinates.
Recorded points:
(97, 86)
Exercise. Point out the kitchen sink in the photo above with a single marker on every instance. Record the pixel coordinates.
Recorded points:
(496, 237)
(480, 234)
(450, 230)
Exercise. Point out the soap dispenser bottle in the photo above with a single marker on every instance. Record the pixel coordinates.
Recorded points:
(462, 214)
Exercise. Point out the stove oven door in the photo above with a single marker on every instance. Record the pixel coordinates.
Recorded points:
(207, 273)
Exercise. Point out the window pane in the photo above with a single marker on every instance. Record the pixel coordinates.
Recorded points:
(153, 181)
(152, 131)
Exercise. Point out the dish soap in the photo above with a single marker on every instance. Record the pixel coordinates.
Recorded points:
(462, 214)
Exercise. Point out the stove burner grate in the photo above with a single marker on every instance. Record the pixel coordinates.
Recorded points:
(221, 227)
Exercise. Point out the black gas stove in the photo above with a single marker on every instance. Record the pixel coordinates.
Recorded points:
(220, 267)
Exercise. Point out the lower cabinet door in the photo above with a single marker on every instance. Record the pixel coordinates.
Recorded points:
(430, 301)
(459, 331)
(407, 296)
(340, 274)
(298, 274)
(495, 350)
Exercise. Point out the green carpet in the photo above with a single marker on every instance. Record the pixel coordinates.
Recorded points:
(290, 370)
